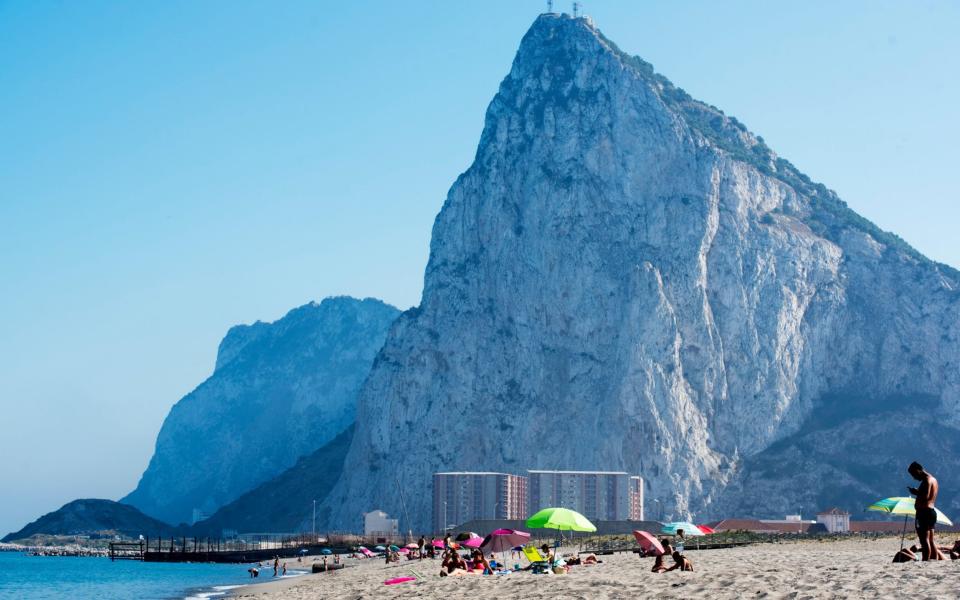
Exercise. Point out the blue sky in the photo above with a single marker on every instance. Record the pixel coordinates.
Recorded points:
(170, 169)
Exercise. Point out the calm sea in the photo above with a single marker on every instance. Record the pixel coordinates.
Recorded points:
(49, 577)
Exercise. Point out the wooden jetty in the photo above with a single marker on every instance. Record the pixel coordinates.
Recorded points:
(185, 549)
(127, 550)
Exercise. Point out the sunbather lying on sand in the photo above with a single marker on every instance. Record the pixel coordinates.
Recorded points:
(910, 554)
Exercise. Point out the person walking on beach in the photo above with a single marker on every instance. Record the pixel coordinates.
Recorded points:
(276, 565)
(926, 518)
(421, 543)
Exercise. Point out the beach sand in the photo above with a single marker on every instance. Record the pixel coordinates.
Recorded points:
(809, 569)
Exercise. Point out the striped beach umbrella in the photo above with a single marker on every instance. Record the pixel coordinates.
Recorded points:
(898, 505)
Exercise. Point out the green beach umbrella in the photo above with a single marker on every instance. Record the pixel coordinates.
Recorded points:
(898, 505)
(562, 519)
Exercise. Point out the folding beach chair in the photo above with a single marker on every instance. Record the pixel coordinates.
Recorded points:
(537, 561)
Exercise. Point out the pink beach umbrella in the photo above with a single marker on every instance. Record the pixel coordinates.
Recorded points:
(437, 544)
(412, 546)
(504, 539)
(474, 542)
(403, 551)
(647, 542)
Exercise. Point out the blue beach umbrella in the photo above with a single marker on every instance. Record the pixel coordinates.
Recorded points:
(689, 529)
(326, 551)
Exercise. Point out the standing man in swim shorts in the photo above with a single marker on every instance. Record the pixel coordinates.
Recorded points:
(926, 518)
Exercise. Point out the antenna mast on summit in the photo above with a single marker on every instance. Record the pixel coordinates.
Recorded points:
(550, 6)
(576, 9)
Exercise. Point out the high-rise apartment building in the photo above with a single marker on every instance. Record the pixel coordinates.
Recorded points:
(636, 498)
(597, 495)
(462, 496)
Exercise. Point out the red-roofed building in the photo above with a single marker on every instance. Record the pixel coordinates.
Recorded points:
(878, 526)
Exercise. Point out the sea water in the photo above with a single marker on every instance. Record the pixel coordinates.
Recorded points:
(53, 577)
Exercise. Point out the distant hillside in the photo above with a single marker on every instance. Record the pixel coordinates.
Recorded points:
(87, 516)
(284, 503)
(280, 391)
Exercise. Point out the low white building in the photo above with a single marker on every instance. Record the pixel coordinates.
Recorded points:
(378, 523)
(835, 520)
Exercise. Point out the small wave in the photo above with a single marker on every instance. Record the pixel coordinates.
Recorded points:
(215, 592)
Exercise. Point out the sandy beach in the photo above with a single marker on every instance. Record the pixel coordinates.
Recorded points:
(809, 569)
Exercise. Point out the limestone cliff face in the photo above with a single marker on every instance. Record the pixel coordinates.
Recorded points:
(626, 278)
(280, 391)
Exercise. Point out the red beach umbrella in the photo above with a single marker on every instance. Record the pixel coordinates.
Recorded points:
(705, 529)
(648, 542)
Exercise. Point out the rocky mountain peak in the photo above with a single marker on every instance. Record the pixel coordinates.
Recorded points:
(628, 279)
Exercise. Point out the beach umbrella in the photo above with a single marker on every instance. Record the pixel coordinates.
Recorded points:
(475, 542)
(403, 551)
(393, 548)
(648, 542)
(705, 529)
(898, 505)
(326, 551)
(412, 546)
(504, 539)
(466, 535)
(304, 551)
(379, 548)
(904, 506)
(562, 519)
(437, 543)
(689, 529)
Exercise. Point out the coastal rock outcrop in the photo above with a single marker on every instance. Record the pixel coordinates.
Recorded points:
(279, 391)
(626, 278)
(93, 516)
